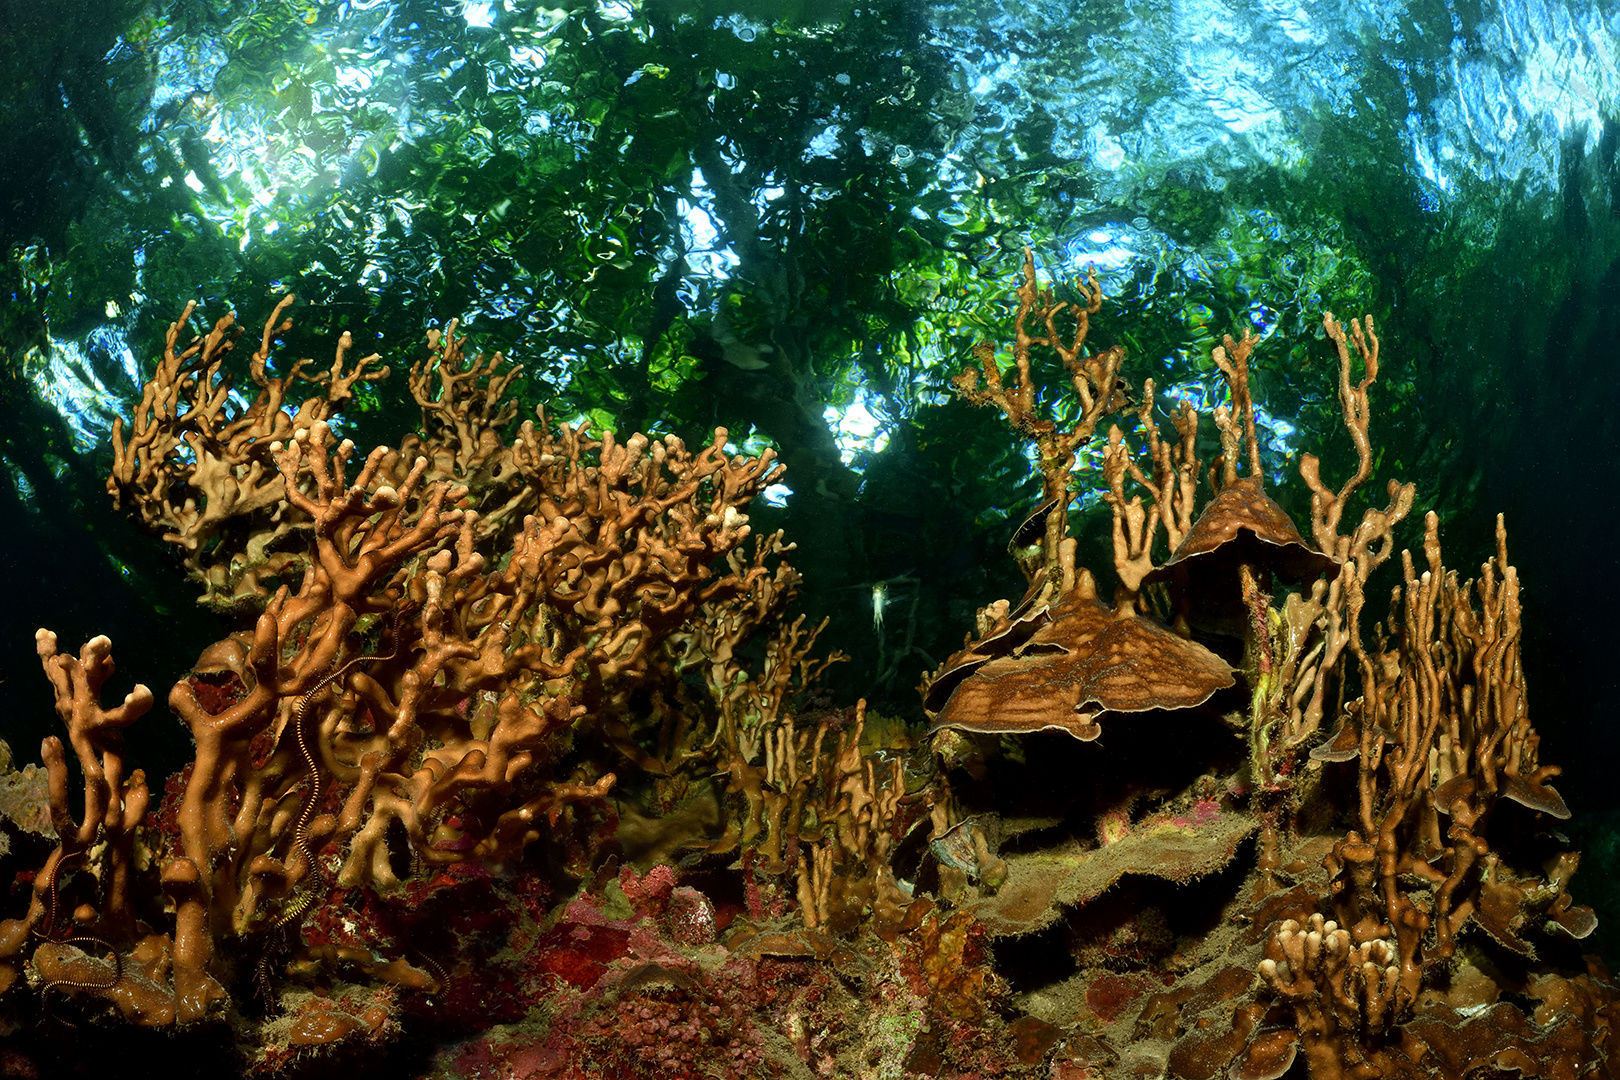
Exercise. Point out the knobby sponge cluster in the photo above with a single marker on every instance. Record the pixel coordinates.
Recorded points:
(1379, 791)
(514, 722)
(427, 629)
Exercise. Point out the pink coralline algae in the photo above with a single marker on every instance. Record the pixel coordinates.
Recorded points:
(632, 980)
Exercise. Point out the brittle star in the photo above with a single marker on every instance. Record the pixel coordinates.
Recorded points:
(44, 931)
(296, 909)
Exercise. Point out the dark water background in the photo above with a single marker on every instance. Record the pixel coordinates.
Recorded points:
(794, 217)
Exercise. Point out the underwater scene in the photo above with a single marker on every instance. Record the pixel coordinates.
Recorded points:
(810, 539)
